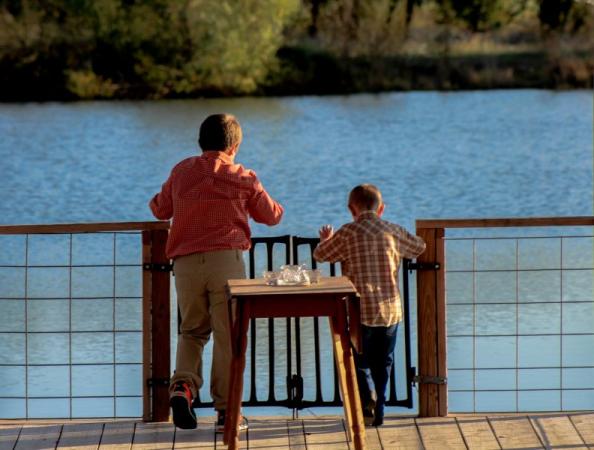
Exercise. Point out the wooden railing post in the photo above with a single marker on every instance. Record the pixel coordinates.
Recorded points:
(431, 329)
(156, 326)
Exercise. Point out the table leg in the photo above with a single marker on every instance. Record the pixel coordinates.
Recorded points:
(348, 378)
(233, 311)
(233, 413)
(230, 397)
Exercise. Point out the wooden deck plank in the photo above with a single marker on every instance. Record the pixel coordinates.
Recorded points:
(328, 433)
(268, 433)
(440, 433)
(202, 437)
(399, 433)
(296, 434)
(477, 433)
(557, 431)
(515, 432)
(9, 435)
(373, 438)
(36, 437)
(81, 436)
(153, 436)
(584, 423)
(117, 435)
(218, 438)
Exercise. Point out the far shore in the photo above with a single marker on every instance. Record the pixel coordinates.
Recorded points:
(310, 73)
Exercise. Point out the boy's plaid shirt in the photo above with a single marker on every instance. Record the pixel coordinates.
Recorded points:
(370, 250)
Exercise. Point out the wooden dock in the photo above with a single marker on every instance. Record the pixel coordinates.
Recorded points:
(501, 431)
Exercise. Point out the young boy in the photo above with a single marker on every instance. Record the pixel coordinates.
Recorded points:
(209, 199)
(369, 250)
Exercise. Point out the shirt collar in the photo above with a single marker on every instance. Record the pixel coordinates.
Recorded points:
(369, 214)
(212, 154)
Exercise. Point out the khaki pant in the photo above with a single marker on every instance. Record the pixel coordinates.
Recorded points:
(200, 280)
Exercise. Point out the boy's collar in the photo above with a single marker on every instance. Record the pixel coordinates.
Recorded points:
(218, 155)
(367, 213)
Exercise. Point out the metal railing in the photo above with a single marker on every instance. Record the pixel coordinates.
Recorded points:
(527, 303)
(27, 280)
(85, 322)
(78, 319)
(519, 333)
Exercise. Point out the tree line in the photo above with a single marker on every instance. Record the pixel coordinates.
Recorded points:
(71, 49)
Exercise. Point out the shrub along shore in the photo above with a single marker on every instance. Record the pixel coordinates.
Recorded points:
(323, 74)
(118, 49)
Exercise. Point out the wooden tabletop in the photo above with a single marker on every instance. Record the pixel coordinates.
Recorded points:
(327, 285)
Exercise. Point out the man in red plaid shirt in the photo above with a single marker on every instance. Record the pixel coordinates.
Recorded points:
(369, 250)
(209, 199)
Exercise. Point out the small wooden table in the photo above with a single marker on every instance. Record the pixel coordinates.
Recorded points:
(254, 299)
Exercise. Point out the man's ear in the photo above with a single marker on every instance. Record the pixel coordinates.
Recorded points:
(380, 209)
(232, 151)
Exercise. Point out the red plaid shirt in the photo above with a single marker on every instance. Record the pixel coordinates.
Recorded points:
(370, 250)
(210, 198)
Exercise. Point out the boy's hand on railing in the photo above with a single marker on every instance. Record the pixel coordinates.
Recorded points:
(326, 232)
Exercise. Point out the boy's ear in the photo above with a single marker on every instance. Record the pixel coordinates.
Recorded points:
(352, 210)
(380, 209)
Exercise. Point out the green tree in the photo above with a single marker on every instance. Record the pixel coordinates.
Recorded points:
(140, 48)
(234, 44)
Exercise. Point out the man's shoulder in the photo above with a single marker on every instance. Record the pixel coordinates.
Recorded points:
(203, 164)
(186, 163)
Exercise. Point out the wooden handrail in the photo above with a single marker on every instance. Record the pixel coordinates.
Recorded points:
(506, 222)
(63, 228)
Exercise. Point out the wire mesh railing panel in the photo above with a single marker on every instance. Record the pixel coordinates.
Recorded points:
(71, 325)
(520, 323)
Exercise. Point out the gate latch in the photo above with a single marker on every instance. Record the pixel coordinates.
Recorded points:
(424, 379)
(423, 266)
(158, 267)
(295, 391)
(157, 382)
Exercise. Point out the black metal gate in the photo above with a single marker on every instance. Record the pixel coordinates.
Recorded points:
(297, 250)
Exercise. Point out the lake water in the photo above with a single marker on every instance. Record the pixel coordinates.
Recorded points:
(470, 154)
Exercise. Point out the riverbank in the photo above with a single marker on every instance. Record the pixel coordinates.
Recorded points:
(303, 72)
(319, 73)
(69, 51)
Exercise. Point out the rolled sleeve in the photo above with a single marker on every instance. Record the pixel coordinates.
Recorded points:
(262, 207)
(331, 250)
(411, 246)
(162, 204)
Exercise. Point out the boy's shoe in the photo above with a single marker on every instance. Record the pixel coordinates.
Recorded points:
(369, 412)
(220, 426)
(378, 422)
(180, 401)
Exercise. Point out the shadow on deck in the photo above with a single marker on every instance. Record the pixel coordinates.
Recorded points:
(504, 431)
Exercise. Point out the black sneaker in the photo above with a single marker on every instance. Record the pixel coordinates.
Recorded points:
(220, 425)
(180, 401)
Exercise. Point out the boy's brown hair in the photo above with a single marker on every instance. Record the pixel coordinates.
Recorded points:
(366, 197)
(219, 132)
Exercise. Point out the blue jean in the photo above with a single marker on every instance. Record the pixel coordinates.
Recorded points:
(375, 363)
